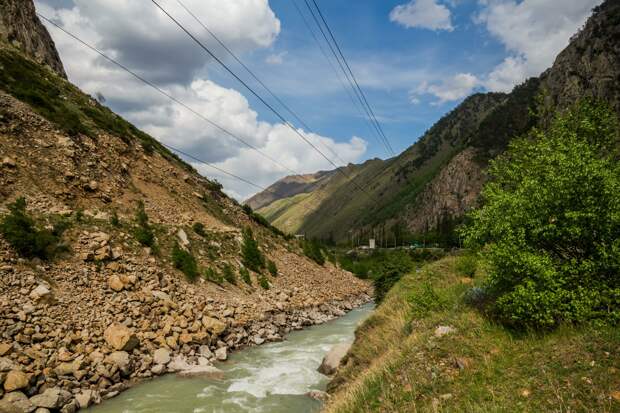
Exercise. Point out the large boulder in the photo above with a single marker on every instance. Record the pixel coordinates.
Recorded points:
(17, 400)
(333, 358)
(120, 337)
(213, 325)
(15, 380)
(161, 356)
(120, 359)
(202, 371)
(6, 364)
(53, 398)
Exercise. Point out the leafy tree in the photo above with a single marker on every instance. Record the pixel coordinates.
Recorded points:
(184, 260)
(20, 231)
(252, 257)
(271, 267)
(143, 232)
(389, 272)
(549, 225)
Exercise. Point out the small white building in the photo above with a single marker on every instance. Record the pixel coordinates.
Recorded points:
(371, 243)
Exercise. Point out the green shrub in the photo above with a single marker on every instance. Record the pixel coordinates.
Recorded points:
(271, 267)
(264, 283)
(114, 220)
(550, 221)
(252, 257)
(312, 250)
(213, 276)
(143, 232)
(244, 274)
(199, 229)
(20, 231)
(467, 265)
(391, 271)
(184, 260)
(228, 274)
(79, 216)
(424, 300)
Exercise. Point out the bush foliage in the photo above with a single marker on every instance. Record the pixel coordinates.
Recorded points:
(272, 268)
(143, 232)
(184, 260)
(244, 274)
(20, 231)
(549, 225)
(312, 250)
(252, 257)
(229, 274)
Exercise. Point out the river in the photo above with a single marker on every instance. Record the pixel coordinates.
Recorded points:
(271, 378)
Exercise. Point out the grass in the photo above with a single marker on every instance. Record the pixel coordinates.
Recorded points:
(398, 365)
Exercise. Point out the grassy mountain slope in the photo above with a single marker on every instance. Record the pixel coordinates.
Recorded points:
(440, 176)
(400, 361)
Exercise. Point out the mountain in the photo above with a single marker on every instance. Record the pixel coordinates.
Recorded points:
(121, 256)
(429, 186)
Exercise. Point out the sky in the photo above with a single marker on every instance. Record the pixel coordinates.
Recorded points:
(414, 60)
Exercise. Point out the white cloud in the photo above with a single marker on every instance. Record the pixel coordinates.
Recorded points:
(275, 58)
(451, 89)
(425, 14)
(533, 32)
(245, 25)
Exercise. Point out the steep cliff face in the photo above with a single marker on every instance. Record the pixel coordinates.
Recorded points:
(20, 26)
(442, 174)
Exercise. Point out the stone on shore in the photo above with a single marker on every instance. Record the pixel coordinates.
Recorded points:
(120, 337)
(15, 380)
(202, 371)
(333, 358)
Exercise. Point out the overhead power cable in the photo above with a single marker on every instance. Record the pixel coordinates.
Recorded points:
(348, 72)
(247, 69)
(179, 151)
(169, 96)
(262, 100)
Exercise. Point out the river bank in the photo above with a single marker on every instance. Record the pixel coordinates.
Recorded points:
(273, 377)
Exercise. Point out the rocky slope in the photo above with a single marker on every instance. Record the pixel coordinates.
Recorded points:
(20, 27)
(109, 311)
(441, 175)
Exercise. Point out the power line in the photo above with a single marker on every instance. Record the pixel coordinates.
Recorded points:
(334, 69)
(247, 69)
(169, 96)
(368, 116)
(331, 34)
(270, 107)
(187, 155)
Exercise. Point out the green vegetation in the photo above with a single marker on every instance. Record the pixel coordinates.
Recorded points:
(199, 229)
(114, 220)
(263, 281)
(66, 106)
(549, 223)
(272, 268)
(213, 276)
(244, 274)
(21, 232)
(399, 364)
(228, 274)
(467, 265)
(143, 232)
(259, 219)
(390, 272)
(252, 257)
(184, 260)
(313, 250)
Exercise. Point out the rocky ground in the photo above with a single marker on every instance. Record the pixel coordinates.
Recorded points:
(75, 334)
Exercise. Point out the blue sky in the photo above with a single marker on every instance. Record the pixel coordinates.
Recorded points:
(415, 60)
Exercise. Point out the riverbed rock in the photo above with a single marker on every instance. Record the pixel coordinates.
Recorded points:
(6, 364)
(85, 398)
(202, 371)
(120, 359)
(120, 337)
(333, 358)
(441, 331)
(318, 395)
(18, 400)
(52, 398)
(15, 380)
(6, 407)
(213, 325)
(221, 353)
(161, 356)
